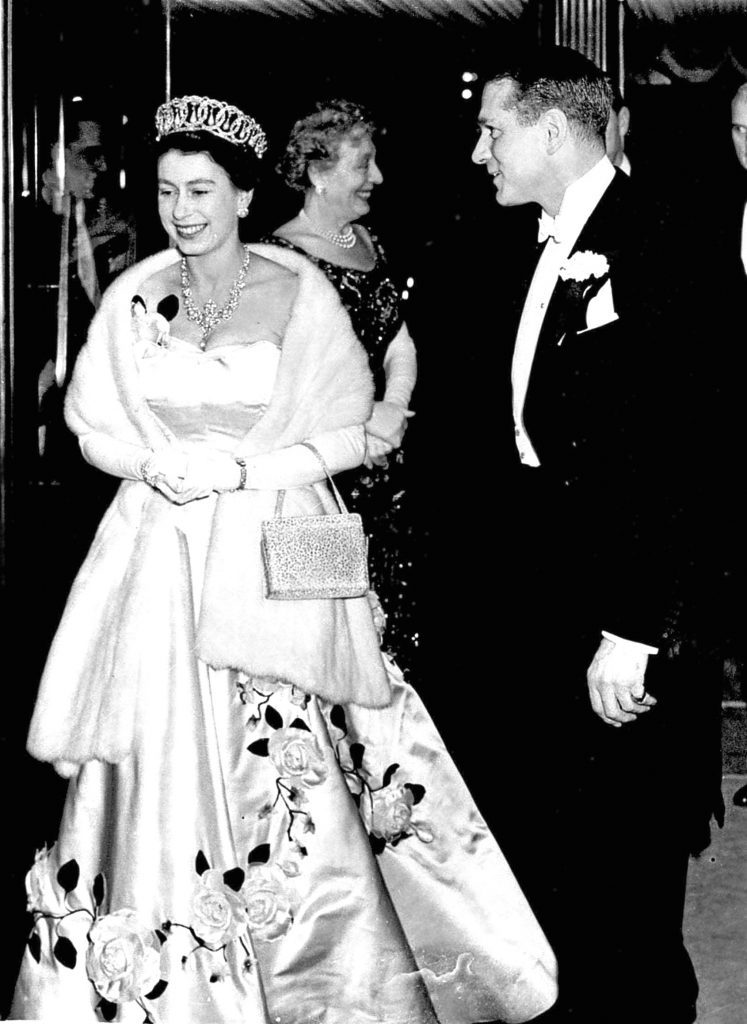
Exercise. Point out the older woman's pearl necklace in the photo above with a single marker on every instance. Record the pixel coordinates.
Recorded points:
(209, 317)
(343, 239)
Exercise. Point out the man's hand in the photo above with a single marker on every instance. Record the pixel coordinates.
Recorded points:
(616, 687)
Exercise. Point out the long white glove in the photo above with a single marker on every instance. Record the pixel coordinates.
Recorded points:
(386, 427)
(400, 368)
(297, 466)
(165, 469)
(184, 474)
(118, 458)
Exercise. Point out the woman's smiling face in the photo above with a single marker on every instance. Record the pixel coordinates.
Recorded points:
(197, 202)
(349, 183)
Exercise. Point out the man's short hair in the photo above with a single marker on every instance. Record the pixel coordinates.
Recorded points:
(563, 79)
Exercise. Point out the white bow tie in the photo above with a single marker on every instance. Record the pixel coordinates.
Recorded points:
(548, 228)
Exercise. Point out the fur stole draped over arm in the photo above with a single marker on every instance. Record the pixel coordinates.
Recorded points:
(329, 648)
(97, 685)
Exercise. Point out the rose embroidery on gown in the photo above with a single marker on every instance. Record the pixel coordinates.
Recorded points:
(261, 832)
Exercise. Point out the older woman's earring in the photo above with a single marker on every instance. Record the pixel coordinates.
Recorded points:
(320, 190)
(242, 211)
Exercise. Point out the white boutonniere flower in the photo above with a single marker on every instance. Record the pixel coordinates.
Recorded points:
(582, 266)
(589, 292)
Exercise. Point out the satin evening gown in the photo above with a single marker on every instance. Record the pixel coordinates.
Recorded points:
(262, 857)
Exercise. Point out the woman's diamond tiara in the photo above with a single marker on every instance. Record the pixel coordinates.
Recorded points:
(202, 114)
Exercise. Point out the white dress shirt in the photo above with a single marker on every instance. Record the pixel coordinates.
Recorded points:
(561, 233)
(744, 239)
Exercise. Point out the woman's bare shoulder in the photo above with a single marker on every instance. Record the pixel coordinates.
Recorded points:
(265, 270)
(273, 284)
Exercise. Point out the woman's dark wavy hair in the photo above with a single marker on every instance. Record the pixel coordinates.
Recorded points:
(316, 138)
(564, 79)
(240, 163)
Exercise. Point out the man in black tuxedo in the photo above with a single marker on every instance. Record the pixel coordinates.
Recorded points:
(599, 704)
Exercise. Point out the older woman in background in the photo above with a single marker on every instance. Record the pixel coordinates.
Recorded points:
(331, 157)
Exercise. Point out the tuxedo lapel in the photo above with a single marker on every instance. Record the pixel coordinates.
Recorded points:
(563, 356)
(600, 234)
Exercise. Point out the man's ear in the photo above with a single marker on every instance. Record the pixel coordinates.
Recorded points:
(554, 125)
(623, 121)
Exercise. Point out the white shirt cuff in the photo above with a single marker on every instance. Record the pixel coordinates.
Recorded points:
(633, 644)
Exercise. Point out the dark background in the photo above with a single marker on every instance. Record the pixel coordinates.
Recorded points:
(440, 225)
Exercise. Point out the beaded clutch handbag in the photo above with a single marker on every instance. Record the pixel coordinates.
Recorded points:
(315, 557)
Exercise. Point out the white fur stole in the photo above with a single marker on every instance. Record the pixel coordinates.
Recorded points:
(90, 703)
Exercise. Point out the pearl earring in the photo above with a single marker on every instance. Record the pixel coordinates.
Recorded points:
(320, 190)
(242, 211)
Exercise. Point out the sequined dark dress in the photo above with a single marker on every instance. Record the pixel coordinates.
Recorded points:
(380, 494)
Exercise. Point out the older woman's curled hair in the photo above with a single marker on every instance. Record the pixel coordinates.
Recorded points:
(317, 137)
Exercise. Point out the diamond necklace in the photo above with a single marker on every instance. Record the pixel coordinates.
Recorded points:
(209, 317)
(344, 239)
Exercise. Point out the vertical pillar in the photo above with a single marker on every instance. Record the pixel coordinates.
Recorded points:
(596, 29)
(167, 50)
(6, 281)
